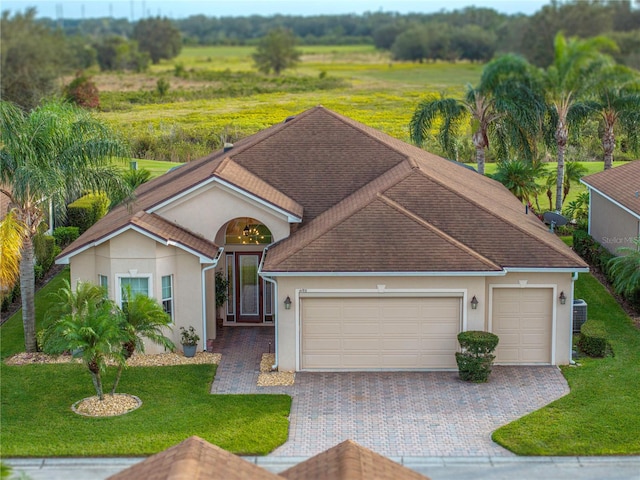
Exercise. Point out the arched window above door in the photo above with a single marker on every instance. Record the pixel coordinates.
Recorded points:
(247, 231)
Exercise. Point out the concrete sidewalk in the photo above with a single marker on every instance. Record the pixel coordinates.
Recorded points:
(437, 468)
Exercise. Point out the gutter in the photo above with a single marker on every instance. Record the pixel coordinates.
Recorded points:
(204, 295)
(574, 277)
(277, 303)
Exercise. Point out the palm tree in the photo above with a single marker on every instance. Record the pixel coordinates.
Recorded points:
(52, 150)
(505, 111)
(574, 171)
(144, 318)
(626, 270)
(574, 71)
(618, 106)
(93, 331)
(519, 178)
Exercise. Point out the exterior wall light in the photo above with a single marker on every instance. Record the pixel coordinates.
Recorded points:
(474, 303)
(287, 303)
(563, 298)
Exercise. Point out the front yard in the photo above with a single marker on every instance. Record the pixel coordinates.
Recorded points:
(37, 420)
(601, 415)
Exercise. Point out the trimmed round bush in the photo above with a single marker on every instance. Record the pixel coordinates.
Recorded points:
(593, 338)
(476, 358)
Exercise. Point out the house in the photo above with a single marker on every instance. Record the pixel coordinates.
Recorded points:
(614, 205)
(197, 459)
(361, 251)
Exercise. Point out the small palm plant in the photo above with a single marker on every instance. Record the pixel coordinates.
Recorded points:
(144, 318)
(93, 332)
(625, 270)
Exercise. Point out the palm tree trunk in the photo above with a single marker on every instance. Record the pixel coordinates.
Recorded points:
(117, 380)
(97, 383)
(608, 145)
(562, 134)
(480, 145)
(27, 292)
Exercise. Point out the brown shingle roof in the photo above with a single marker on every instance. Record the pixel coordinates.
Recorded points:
(350, 461)
(369, 202)
(621, 184)
(194, 459)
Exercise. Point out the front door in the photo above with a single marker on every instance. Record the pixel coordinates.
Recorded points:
(248, 288)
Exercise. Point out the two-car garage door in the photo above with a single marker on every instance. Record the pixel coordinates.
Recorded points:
(379, 333)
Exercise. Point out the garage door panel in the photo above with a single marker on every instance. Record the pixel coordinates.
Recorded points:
(379, 333)
(522, 319)
(400, 344)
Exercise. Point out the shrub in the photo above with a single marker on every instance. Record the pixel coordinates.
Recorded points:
(162, 87)
(476, 358)
(593, 338)
(87, 210)
(44, 247)
(65, 235)
(83, 91)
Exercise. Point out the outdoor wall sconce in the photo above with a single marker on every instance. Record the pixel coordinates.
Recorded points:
(474, 303)
(563, 298)
(287, 303)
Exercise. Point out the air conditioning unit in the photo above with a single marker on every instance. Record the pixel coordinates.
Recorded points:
(579, 314)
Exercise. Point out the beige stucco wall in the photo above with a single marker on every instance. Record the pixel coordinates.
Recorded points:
(610, 225)
(134, 254)
(207, 209)
(471, 285)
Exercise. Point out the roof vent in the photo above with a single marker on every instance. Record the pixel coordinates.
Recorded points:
(227, 146)
(288, 119)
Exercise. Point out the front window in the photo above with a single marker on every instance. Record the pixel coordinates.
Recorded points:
(133, 285)
(167, 295)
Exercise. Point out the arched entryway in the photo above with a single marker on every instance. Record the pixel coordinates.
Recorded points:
(250, 298)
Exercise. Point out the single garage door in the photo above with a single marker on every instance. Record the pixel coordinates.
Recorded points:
(522, 319)
(379, 333)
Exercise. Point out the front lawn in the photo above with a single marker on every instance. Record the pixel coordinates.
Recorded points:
(601, 415)
(37, 419)
(36, 416)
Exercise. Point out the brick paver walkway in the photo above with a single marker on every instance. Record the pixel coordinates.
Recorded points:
(393, 413)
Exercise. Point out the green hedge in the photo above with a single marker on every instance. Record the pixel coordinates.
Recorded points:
(65, 235)
(476, 359)
(593, 338)
(87, 210)
(45, 249)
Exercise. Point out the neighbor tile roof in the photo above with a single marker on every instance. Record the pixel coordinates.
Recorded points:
(621, 184)
(194, 459)
(350, 461)
(368, 202)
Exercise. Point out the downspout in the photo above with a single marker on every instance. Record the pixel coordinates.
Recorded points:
(275, 286)
(574, 277)
(204, 295)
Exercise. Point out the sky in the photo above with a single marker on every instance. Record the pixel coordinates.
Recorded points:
(136, 9)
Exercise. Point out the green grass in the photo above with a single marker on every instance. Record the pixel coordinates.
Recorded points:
(37, 419)
(12, 332)
(156, 167)
(600, 416)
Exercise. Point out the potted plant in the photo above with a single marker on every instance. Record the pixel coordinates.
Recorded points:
(189, 340)
(222, 295)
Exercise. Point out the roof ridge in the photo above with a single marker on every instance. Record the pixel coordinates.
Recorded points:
(492, 213)
(362, 197)
(437, 231)
(367, 130)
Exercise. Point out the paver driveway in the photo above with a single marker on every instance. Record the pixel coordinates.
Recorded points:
(393, 413)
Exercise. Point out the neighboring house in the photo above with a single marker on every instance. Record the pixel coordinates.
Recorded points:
(197, 459)
(614, 205)
(362, 251)
(4, 204)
